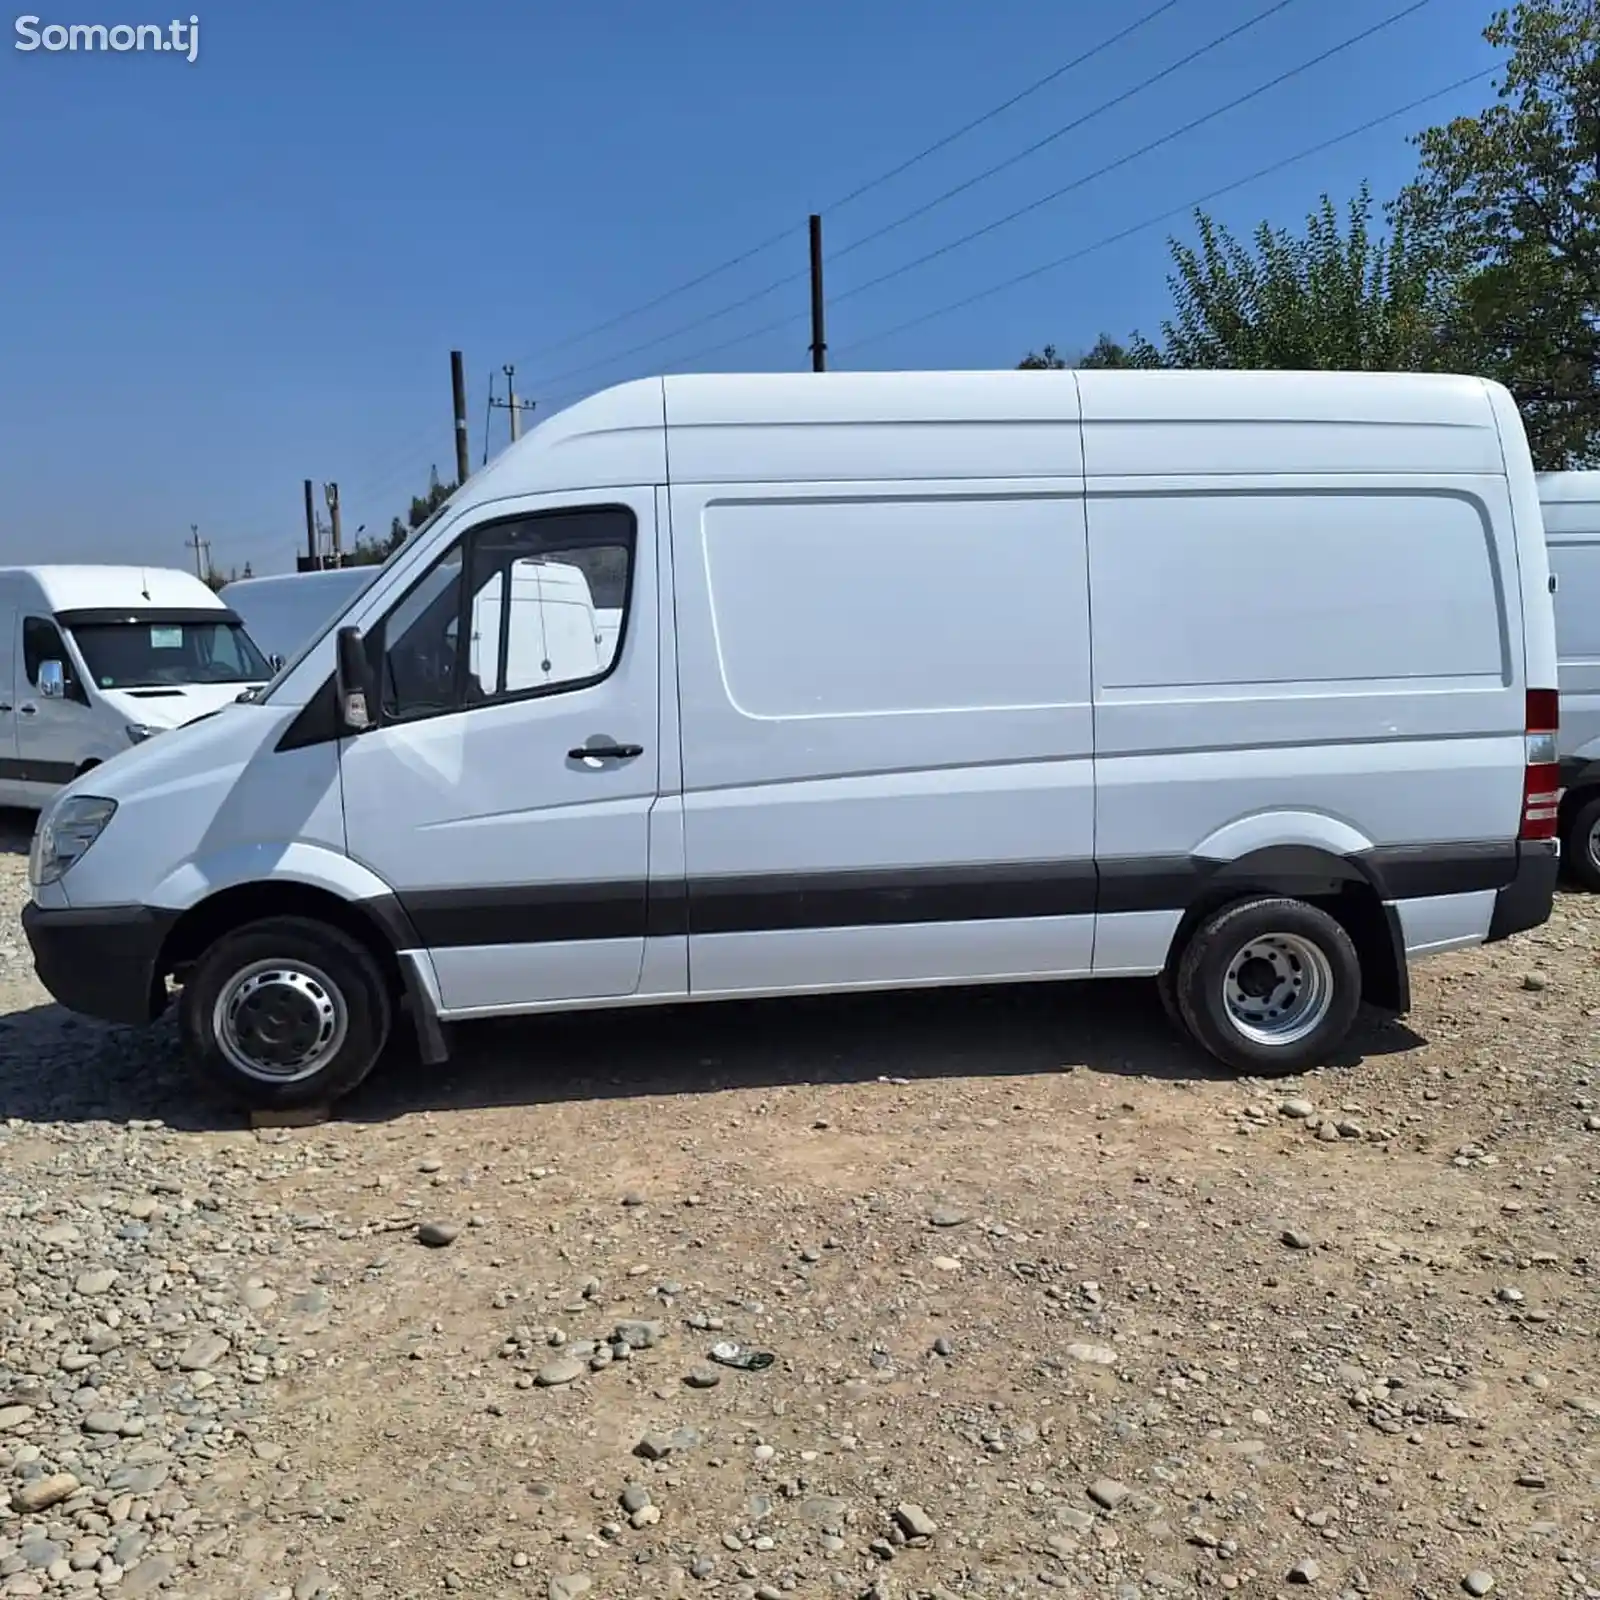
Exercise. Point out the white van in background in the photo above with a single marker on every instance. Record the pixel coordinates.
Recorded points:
(94, 659)
(286, 611)
(1242, 681)
(1571, 506)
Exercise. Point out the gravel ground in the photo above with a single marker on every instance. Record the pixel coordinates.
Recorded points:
(1053, 1307)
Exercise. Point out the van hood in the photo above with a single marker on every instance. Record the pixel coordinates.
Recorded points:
(165, 706)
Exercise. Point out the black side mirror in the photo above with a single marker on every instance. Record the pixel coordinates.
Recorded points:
(275, 661)
(353, 681)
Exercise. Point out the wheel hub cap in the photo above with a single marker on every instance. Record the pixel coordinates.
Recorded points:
(1278, 988)
(280, 1022)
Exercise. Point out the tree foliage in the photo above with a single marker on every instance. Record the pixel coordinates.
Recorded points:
(1509, 202)
(1335, 296)
(1104, 352)
(1491, 263)
(373, 552)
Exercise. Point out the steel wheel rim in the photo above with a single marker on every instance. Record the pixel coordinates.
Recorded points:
(1277, 988)
(280, 1021)
(1594, 845)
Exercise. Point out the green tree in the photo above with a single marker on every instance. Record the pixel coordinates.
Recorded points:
(1509, 202)
(1104, 352)
(373, 552)
(1335, 296)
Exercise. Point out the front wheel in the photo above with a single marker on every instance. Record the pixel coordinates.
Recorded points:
(285, 1012)
(1269, 986)
(1581, 846)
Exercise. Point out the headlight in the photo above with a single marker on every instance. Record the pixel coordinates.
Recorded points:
(65, 832)
(138, 732)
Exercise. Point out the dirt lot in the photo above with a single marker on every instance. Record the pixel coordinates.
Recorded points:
(1054, 1308)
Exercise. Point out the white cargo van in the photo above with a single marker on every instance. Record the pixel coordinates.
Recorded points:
(1571, 504)
(1242, 681)
(94, 659)
(285, 611)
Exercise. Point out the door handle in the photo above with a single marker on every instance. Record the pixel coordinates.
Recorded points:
(29, 711)
(605, 752)
(4, 708)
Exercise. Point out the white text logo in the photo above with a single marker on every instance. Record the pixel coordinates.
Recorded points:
(171, 38)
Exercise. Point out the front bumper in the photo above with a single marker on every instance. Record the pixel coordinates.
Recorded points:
(101, 961)
(1527, 901)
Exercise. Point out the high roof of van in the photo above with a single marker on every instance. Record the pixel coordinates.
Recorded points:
(89, 587)
(843, 426)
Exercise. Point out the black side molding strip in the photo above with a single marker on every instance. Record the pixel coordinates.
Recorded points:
(14, 771)
(773, 902)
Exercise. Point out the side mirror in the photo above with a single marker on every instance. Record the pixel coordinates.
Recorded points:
(275, 662)
(52, 680)
(352, 675)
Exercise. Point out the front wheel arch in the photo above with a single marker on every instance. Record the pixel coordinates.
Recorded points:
(220, 914)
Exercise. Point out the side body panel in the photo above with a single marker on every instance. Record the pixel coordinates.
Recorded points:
(886, 733)
(1570, 503)
(1308, 637)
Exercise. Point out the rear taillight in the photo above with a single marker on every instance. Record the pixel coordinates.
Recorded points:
(1541, 777)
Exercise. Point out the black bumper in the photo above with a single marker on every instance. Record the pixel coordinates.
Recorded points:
(100, 961)
(1526, 901)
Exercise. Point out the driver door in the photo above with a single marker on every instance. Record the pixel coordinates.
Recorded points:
(54, 733)
(522, 861)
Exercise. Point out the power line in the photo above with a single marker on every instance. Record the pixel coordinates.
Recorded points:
(1033, 205)
(861, 189)
(1077, 122)
(1144, 150)
(1175, 211)
(921, 210)
(390, 477)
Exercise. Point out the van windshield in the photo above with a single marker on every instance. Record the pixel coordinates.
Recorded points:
(145, 653)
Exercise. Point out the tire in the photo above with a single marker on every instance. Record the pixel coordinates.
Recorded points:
(1266, 967)
(1166, 989)
(1580, 845)
(321, 1008)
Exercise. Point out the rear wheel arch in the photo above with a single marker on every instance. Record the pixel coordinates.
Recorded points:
(1340, 885)
(1579, 818)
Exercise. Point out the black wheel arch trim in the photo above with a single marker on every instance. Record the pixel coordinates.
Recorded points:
(1578, 774)
(387, 921)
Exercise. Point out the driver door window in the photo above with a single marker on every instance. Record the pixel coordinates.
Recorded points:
(543, 611)
(42, 641)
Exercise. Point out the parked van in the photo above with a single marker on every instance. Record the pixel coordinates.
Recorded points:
(1571, 504)
(94, 659)
(1242, 681)
(286, 611)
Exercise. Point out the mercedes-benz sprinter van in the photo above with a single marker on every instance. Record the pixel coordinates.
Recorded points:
(95, 659)
(1571, 505)
(1245, 682)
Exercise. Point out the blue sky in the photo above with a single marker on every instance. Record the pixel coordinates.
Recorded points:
(225, 277)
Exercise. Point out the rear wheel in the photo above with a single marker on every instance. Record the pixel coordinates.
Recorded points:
(1581, 844)
(1269, 986)
(1166, 989)
(285, 1012)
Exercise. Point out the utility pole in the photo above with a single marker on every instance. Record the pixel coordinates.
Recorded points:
(331, 494)
(511, 403)
(311, 528)
(819, 342)
(202, 551)
(458, 397)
